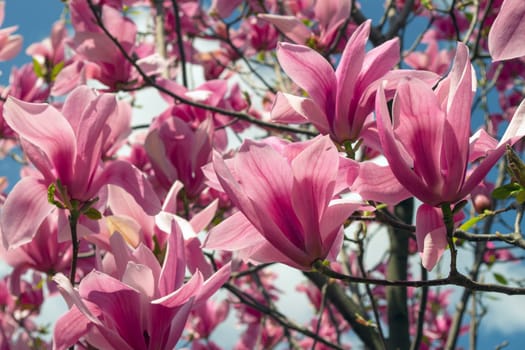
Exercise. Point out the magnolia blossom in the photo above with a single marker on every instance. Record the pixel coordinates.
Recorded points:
(427, 143)
(329, 14)
(339, 102)
(177, 152)
(428, 148)
(66, 148)
(285, 196)
(10, 45)
(432, 59)
(141, 305)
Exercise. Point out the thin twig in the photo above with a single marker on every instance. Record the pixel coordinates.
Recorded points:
(150, 81)
(421, 312)
(456, 279)
(180, 43)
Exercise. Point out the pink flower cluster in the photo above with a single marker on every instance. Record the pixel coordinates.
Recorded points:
(137, 230)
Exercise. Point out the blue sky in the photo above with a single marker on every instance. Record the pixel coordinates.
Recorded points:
(35, 17)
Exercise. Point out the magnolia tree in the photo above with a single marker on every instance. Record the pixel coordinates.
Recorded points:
(294, 132)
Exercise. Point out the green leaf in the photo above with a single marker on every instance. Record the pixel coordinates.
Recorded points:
(506, 190)
(51, 196)
(37, 68)
(520, 197)
(93, 214)
(471, 222)
(427, 4)
(515, 166)
(56, 69)
(500, 278)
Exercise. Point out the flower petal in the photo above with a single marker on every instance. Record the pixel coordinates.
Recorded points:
(46, 128)
(24, 210)
(507, 32)
(395, 153)
(129, 178)
(311, 72)
(378, 183)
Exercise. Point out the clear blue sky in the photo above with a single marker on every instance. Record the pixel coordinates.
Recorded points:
(34, 19)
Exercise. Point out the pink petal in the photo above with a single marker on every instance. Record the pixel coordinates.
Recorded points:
(516, 128)
(332, 13)
(457, 129)
(140, 277)
(69, 328)
(431, 235)
(290, 26)
(283, 112)
(419, 124)
(378, 183)
(117, 300)
(24, 210)
(514, 132)
(224, 8)
(395, 152)
(129, 178)
(507, 32)
(332, 223)
(46, 128)
(213, 283)
(379, 61)
(294, 109)
(173, 323)
(234, 233)
(88, 115)
(172, 273)
(347, 75)
(314, 170)
(184, 294)
(203, 218)
(311, 72)
(481, 143)
(11, 48)
(267, 183)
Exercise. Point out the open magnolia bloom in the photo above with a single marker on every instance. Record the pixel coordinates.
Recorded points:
(138, 304)
(66, 148)
(339, 101)
(428, 144)
(285, 194)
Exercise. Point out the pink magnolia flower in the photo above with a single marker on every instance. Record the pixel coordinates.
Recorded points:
(177, 152)
(66, 148)
(339, 102)
(330, 15)
(10, 45)
(507, 34)
(44, 253)
(206, 318)
(145, 306)
(495, 253)
(427, 143)
(105, 61)
(285, 200)
(217, 93)
(433, 59)
(49, 54)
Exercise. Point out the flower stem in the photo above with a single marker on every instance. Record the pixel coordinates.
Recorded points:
(448, 218)
(73, 220)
